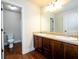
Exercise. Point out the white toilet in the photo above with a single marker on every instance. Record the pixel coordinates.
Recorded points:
(10, 40)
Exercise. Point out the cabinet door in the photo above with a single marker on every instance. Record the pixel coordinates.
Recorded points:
(46, 48)
(38, 43)
(46, 43)
(70, 51)
(52, 48)
(58, 50)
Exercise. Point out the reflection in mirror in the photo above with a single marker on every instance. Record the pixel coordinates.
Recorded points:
(61, 21)
(52, 24)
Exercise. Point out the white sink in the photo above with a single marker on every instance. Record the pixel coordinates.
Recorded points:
(67, 38)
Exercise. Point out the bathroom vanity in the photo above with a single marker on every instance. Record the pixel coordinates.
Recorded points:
(55, 46)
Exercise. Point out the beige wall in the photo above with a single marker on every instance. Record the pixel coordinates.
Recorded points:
(58, 23)
(45, 23)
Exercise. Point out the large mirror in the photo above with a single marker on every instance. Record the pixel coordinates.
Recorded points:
(62, 21)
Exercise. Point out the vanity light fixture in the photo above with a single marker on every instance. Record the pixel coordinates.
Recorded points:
(53, 6)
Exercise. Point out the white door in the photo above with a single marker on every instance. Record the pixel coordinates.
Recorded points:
(52, 25)
(2, 33)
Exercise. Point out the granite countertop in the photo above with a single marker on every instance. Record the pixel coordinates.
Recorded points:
(59, 37)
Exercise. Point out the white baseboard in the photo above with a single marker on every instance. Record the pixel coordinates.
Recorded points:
(27, 50)
(17, 41)
(14, 42)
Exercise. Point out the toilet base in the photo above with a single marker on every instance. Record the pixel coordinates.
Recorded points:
(11, 45)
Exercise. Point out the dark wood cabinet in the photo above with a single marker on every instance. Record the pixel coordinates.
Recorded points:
(46, 43)
(70, 51)
(38, 43)
(35, 42)
(54, 49)
(46, 48)
(58, 50)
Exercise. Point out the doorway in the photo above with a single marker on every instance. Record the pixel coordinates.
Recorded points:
(12, 37)
(52, 24)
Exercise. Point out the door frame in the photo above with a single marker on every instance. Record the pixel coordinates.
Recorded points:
(2, 34)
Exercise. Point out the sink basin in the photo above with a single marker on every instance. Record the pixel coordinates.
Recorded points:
(73, 38)
(67, 38)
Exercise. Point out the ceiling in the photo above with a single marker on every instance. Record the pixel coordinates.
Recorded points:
(67, 4)
(43, 3)
(40, 2)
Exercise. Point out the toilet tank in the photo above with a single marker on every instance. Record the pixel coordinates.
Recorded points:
(10, 35)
